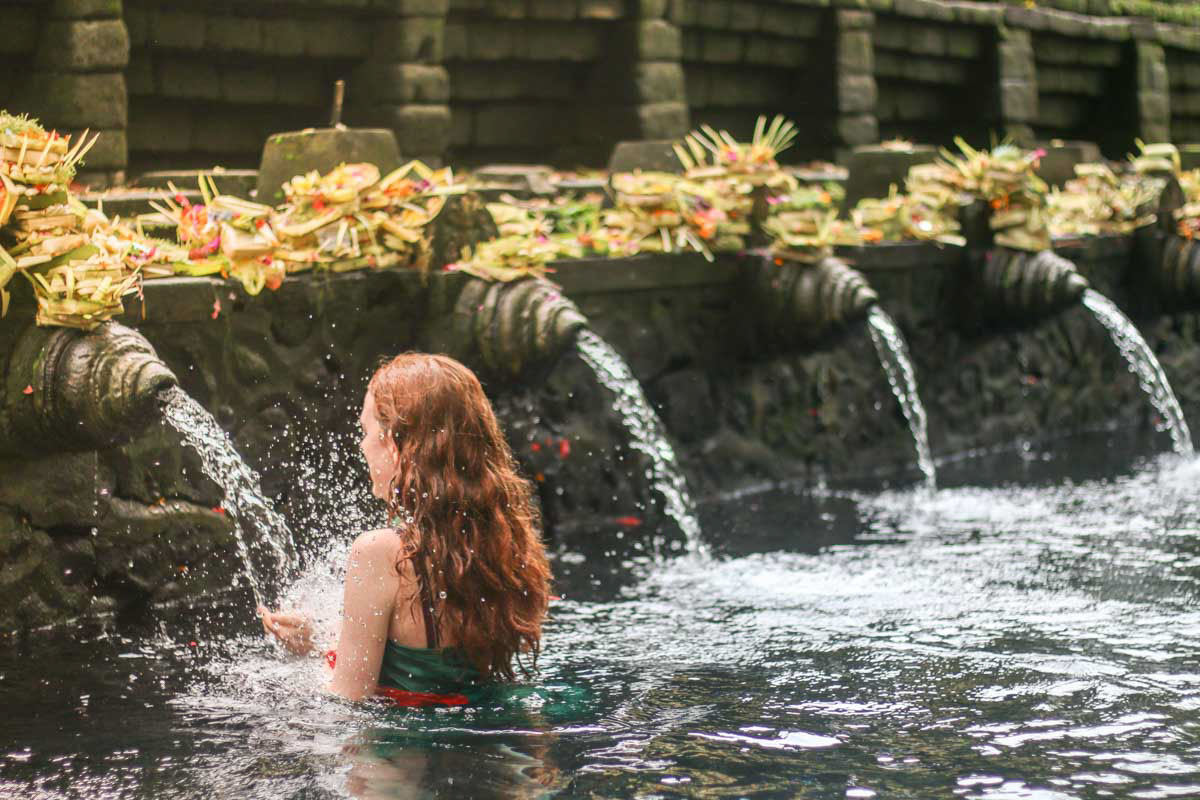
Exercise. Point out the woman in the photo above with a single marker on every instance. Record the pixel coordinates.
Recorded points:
(444, 601)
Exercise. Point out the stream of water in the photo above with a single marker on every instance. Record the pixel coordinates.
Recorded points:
(1144, 365)
(264, 541)
(645, 432)
(893, 355)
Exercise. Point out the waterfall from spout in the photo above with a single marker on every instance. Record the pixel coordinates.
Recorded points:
(893, 354)
(1142, 363)
(646, 433)
(273, 545)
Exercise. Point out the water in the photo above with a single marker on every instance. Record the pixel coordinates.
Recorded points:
(264, 541)
(1144, 365)
(1027, 632)
(645, 431)
(893, 354)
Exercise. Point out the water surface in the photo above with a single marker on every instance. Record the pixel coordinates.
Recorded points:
(1028, 631)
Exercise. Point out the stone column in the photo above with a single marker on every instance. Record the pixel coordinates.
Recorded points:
(659, 91)
(1153, 89)
(403, 84)
(78, 82)
(1017, 76)
(857, 93)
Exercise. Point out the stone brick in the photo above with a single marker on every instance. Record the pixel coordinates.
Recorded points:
(560, 42)
(855, 20)
(790, 21)
(490, 41)
(659, 82)
(416, 8)
(745, 17)
(337, 37)
(601, 9)
(519, 126)
(303, 86)
(928, 40)
(192, 80)
(721, 48)
(856, 129)
(856, 93)
(420, 128)
(1154, 107)
(235, 34)
(855, 53)
(962, 43)
(1016, 61)
(83, 9)
(455, 46)
(1018, 100)
(683, 12)
(663, 120)
(1057, 111)
(84, 46)
(111, 150)
(698, 88)
(693, 44)
(286, 37)
(890, 35)
(140, 77)
(228, 134)
(889, 65)
(95, 100)
(487, 82)
(178, 30)
(505, 9)
(657, 40)
(247, 84)
(412, 40)
(1071, 81)
(18, 34)
(713, 14)
(925, 9)
(789, 53)
(555, 9)
(919, 103)
(158, 128)
(404, 83)
(649, 9)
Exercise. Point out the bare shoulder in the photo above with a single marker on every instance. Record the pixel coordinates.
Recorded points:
(377, 551)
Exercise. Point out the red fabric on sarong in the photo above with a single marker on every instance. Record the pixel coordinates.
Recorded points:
(402, 698)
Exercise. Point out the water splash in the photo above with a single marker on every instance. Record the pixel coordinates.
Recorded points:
(893, 354)
(1142, 363)
(646, 433)
(272, 546)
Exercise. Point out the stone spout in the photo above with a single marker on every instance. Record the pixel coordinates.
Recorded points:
(1022, 286)
(506, 328)
(805, 303)
(65, 390)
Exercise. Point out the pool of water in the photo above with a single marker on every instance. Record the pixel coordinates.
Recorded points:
(1028, 631)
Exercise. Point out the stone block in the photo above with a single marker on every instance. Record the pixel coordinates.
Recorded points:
(1018, 100)
(961, 43)
(889, 65)
(745, 17)
(649, 9)
(83, 9)
(490, 41)
(462, 127)
(412, 40)
(856, 93)
(158, 128)
(1154, 107)
(802, 23)
(987, 15)
(227, 134)
(236, 34)
(1057, 111)
(19, 33)
(1192, 72)
(1071, 80)
(850, 20)
(657, 40)
(855, 53)
(481, 82)
(713, 14)
(338, 37)
(693, 44)
(648, 155)
(455, 47)
(421, 128)
(83, 46)
(683, 13)
(554, 9)
(928, 40)
(192, 80)
(890, 35)
(601, 9)
(1015, 61)
(659, 82)
(529, 125)
(505, 9)
(177, 30)
(925, 9)
(789, 53)
(418, 8)
(287, 37)
(561, 42)
(295, 152)
(856, 129)
(140, 77)
(111, 150)
(247, 84)
(919, 103)
(403, 83)
(94, 100)
(721, 48)
(663, 120)
(303, 86)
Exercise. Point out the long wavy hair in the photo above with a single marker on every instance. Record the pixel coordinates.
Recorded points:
(468, 517)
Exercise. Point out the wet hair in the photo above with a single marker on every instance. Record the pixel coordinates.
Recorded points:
(469, 519)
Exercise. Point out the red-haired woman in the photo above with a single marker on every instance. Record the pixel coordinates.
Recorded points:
(447, 599)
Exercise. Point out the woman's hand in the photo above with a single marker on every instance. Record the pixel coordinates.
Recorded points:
(292, 630)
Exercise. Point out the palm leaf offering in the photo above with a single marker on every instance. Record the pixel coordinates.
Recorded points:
(77, 283)
(1187, 218)
(351, 218)
(707, 153)
(1097, 202)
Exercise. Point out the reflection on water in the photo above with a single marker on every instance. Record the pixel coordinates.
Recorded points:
(1035, 639)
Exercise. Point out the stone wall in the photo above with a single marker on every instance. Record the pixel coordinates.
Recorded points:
(1183, 67)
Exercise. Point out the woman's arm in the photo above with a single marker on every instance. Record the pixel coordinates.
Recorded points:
(372, 584)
